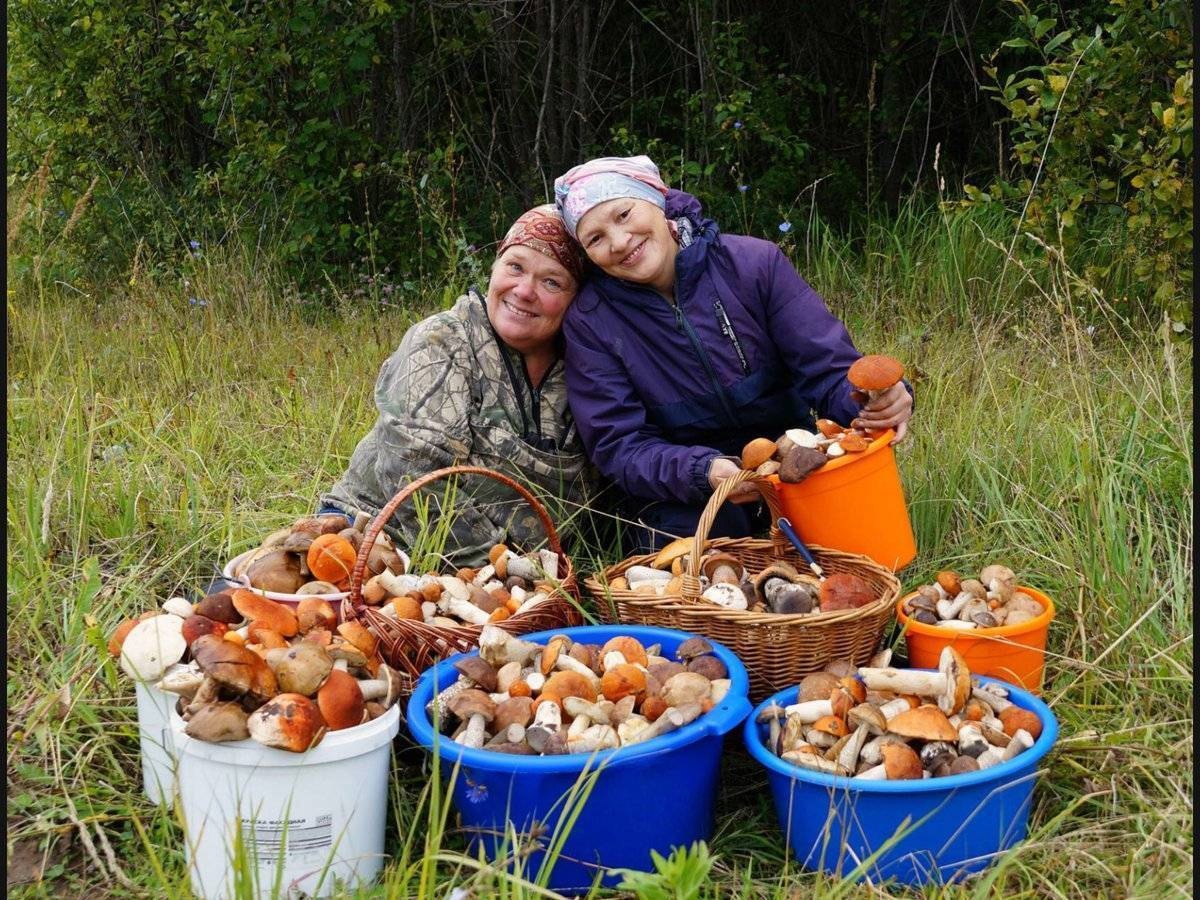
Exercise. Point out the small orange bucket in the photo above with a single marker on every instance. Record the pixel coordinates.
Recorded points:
(855, 504)
(1012, 653)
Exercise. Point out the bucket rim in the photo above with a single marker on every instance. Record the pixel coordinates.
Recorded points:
(881, 441)
(1037, 623)
(949, 783)
(335, 745)
(720, 720)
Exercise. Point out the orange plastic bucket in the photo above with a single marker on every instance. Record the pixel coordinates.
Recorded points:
(1012, 653)
(854, 503)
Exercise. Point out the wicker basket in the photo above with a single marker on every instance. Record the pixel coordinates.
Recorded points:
(778, 650)
(411, 646)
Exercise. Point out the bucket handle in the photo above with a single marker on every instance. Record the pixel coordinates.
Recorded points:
(691, 588)
(354, 599)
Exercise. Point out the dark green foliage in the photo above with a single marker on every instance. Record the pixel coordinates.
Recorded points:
(410, 133)
(1100, 124)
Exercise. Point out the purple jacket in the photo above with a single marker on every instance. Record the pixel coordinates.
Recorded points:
(659, 391)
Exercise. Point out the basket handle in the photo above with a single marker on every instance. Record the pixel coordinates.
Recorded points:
(354, 599)
(691, 577)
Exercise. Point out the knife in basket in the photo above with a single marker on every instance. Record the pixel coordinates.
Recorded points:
(789, 532)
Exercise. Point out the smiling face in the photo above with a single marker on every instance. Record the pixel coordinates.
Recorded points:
(528, 294)
(630, 239)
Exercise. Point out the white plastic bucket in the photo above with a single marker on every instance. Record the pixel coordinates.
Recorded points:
(154, 708)
(301, 819)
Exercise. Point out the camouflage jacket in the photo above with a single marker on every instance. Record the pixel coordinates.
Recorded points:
(453, 394)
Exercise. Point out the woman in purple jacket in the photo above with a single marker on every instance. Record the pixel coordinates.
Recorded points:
(685, 343)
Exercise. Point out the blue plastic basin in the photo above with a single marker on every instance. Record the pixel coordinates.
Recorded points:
(650, 796)
(946, 827)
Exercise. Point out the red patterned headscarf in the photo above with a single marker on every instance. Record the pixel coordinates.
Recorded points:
(542, 229)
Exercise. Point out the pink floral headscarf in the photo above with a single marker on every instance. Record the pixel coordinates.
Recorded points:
(606, 178)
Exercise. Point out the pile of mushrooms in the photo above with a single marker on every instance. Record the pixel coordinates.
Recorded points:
(992, 600)
(315, 555)
(245, 666)
(777, 588)
(508, 585)
(799, 452)
(878, 723)
(570, 697)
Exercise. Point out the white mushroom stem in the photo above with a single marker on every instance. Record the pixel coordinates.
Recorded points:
(472, 735)
(463, 609)
(1021, 740)
(971, 741)
(848, 757)
(875, 773)
(531, 601)
(636, 575)
(956, 625)
(578, 726)
(183, 679)
(950, 608)
(994, 701)
(600, 711)
(342, 663)
(720, 687)
(498, 647)
(672, 717)
(612, 659)
(629, 729)
(570, 664)
(903, 681)
(513, 734)
(813, 761)
(536, 681)
(811, 710)
(593, 738)
(893, 708)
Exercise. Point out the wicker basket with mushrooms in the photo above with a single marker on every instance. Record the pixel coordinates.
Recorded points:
(992, 600)
(516, 696)
(798, 452)
(510, 583)
(245, 666)
(776, 588)
(876, 722)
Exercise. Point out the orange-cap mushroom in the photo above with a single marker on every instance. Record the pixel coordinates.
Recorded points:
(340, 701)
(313, 612)
(288, 722)
(257, 608)
(624, 680)
(875, 372)
(844, 590)
(757, 452)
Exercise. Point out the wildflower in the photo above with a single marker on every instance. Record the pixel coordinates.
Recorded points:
(197, 302)
(1091, 330)
(785, 227)
(743, 188)
(471, 248)
(738, 126)
(476, 792)
(195, 245)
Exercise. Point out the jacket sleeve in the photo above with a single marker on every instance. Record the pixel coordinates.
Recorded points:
(424, 396)
(612, 424)
(813, 342)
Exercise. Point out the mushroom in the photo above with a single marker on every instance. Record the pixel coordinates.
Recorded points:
(239, 670)
(195, 625)
(151, 646)
(673, 717)
(289, 722)
(874, 374)
(340, 700)
(817, 686)
(757, 452)
(725, 594)
(721, 568)
(673, 552)
(900, 761)
(951, 684)
(218, 722)
(926, 723)
(181, 678)
(481, 673)
(799, 463)
(785, 590)
(278, 570)
(542, 735)
(300, 668)
(177, 606)
(476, 709)
(385, 687)
(257, 608)
(844, 590)
(312, 612)
(498, 647)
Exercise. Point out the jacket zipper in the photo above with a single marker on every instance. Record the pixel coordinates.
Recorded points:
(686, 327)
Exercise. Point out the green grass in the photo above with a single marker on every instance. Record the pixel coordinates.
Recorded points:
(148, 439)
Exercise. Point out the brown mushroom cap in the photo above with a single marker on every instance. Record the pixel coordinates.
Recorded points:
(628, 647)
(677, 549)
(777, 569)
(757, 452)
(277, 570)
(875, 372)
(513, 711)
(472, 702)
(219, 606)
(479, 671)
(570, 684)
(927, 723)
(288, 722)
(844, 590)
(360, 637)
(1014, 717)
(302, 667)
(869, 715)
(257, 608)
(196, 625)
(242, 671)
(714, 561)
(340, 701)
(218, 722)
(799, 463)
(817, 686)
(314, 613)
(901, 761)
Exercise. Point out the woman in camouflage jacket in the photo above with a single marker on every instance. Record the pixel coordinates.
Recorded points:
(480, 384)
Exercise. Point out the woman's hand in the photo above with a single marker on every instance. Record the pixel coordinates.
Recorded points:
(720, 469)
(888, 409)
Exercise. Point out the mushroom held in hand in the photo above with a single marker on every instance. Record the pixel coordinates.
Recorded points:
(874, 374)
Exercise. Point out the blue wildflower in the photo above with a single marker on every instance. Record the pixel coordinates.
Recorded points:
(738, 126)
(743, 188)
(476, 793)
(197, 302)
(195, 245)
(785, 227)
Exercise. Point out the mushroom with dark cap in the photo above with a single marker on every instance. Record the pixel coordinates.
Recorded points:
(218, 722)
(278, 570)
(300, 668)
(799, 463)
(785, 590)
